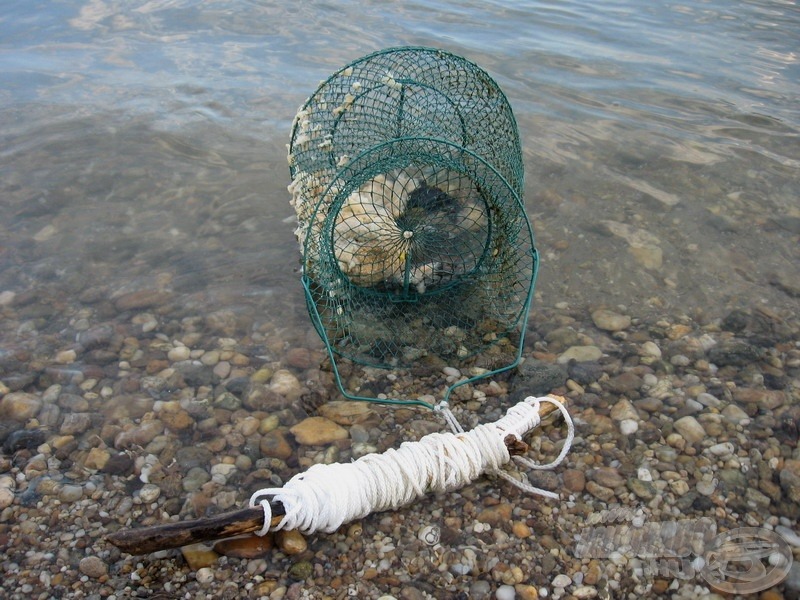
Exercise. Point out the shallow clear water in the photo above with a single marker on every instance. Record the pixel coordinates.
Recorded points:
(143, 143)
(143, 180)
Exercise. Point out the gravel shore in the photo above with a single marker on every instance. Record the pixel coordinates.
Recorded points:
(136, 412)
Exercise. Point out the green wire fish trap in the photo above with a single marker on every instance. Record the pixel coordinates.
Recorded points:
(407, 182)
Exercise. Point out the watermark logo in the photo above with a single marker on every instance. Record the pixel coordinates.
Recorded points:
(745, 560)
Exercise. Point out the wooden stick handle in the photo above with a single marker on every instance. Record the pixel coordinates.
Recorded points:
(183, 533)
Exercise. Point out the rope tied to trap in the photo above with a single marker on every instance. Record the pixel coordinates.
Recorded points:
(328, 495)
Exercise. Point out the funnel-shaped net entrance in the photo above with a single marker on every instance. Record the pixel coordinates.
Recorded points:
(406, 179)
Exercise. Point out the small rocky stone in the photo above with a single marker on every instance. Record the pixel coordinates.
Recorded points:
(318, 431)
(285, 383)
(734, 414)
(580, 354)
(623, 409)
(650, 348)
(96, 459)
(505, 592)
(561, 581)
(291, 542)
(199, 556)
(584, 592)
(628, 427)
(250, 547)
(301, 570)
(141, 299)
(790, 479)
(497, 515)
(574, 480)
(19, 406)
(23, 439)
(608, 320)
(534, 377)
(607, 477)
(70, 494)
(6, 497)
(92, 566)
(75, 423)
(140, 435)
(345, 412)
(178, 354)
(690, 429)
(643, 489)
(526, 592)
(767, 399)
(585, 373)
(709, 400)
(521, 530)
(734, 352)
(204, 575)
(149, 493)
(600, 492)
(274, 445)
(66, 357)
(118, 464)
(302, 358)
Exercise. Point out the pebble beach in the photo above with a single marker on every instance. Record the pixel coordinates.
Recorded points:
(132, 426)
(158, 363)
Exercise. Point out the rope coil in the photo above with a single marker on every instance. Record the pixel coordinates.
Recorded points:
(326, 496)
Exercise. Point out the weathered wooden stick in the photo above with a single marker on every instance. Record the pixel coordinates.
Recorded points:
(238, 522)
(183, 533)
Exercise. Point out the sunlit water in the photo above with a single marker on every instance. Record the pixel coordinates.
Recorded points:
(142, 146)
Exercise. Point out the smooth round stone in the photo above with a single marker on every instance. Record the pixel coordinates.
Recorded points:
(204, 575)
(285, 383)
(580, 354)
(179, 354)
(608, 320)
(6, 497)
(561, 581)
(650, 348)
(707, 399)
(70, 493)
(19, 406)
(92, 566)
(628, 426)
(690, 429)
(505, 592)
(149, 493)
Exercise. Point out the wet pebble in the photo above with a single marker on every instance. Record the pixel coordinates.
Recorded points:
(691, 430)
(93, 566)
(23, 439)
(609, 320)
(70, 494)
(317, 431)
(580, 354)
(19, 406)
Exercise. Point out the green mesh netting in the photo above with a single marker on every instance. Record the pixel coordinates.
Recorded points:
(407, 180)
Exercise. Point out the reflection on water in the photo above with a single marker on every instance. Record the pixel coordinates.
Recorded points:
(146, 137)
(143, 204)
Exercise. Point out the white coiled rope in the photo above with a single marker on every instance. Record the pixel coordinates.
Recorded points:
(326, 496)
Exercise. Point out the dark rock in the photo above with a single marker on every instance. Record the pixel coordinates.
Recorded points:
(196, 375)
(736, 321)
(585, 372)
(735, 353)
(118, 464)
(626, 383)
(23, 439)
(534, 377)
(237, 385)
(189, 457)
